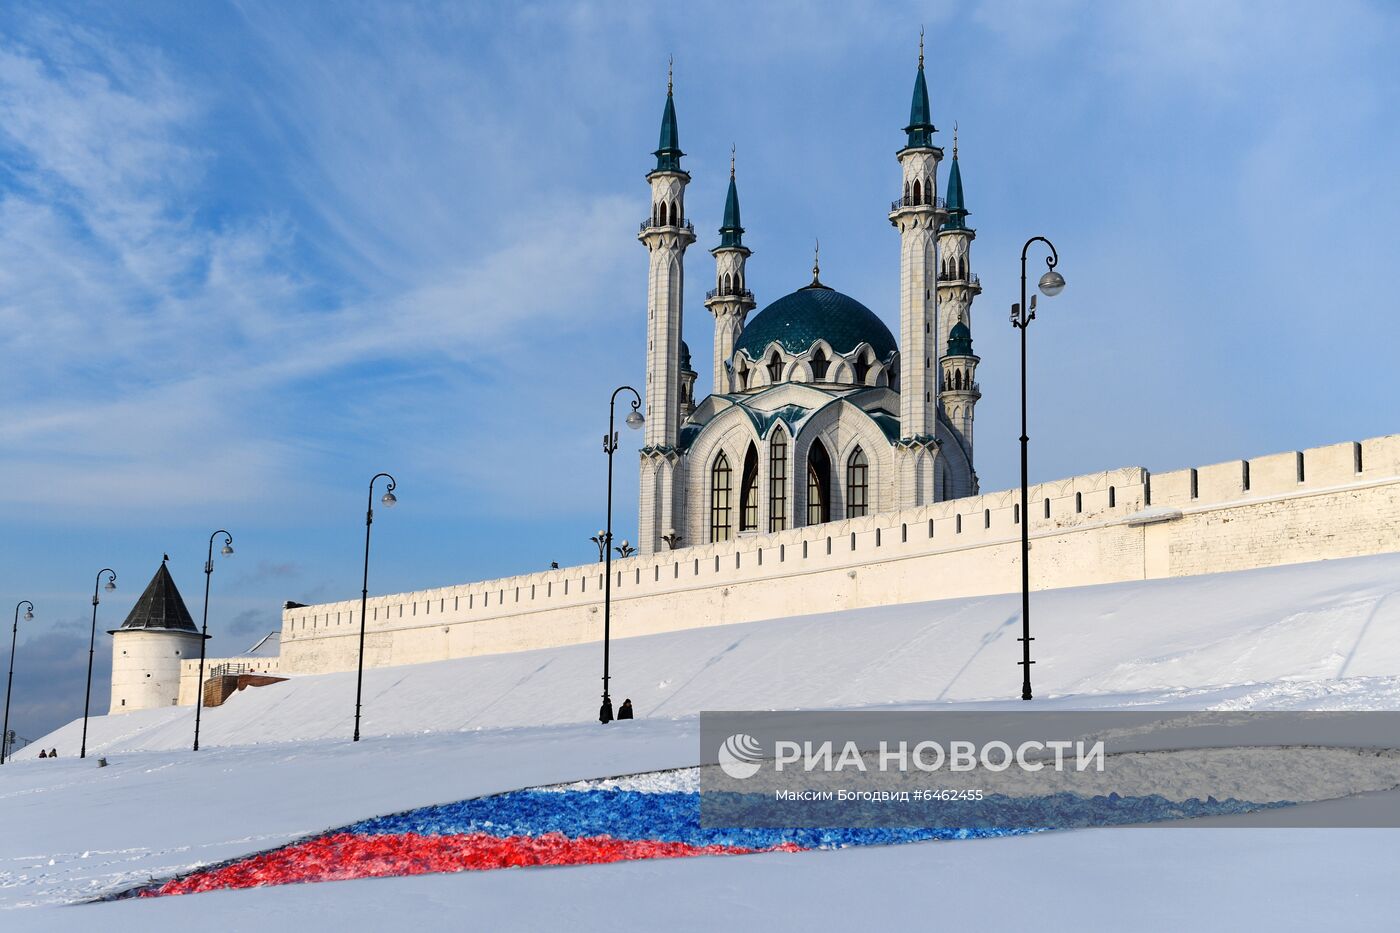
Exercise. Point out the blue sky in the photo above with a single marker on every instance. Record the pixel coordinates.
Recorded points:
(252, 253)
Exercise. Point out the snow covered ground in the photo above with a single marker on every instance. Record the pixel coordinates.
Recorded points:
(277, 764)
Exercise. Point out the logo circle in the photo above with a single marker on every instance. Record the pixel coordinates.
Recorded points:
(741, 756)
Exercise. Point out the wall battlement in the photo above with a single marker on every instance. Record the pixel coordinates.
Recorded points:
(1341, 500)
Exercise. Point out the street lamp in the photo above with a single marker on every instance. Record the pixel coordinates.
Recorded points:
(388, 501)
(601, 540)
(634, 420)
(625, 549)
(1051, 284)
(92, 643)
(672, 539)
(14, 637)
(226, 550)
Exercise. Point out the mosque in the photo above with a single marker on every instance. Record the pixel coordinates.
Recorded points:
(818, 412)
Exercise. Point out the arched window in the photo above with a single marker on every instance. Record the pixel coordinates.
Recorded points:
(720, 480)
(661, 210)
(918, 198)
(724, 288)
(862, 367)
(818, 485)
(820, 364)
(748, 492)
(857, 485)
(775, 368)
(777, 481)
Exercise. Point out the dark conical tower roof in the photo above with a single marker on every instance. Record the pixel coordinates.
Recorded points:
(668, 153)
(160, 607)
(920, 128)
(731, 234)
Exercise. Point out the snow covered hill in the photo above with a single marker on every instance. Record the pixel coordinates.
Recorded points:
(1322, 623)
(277, 764)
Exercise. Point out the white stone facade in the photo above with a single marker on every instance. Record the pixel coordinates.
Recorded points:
(146, 667)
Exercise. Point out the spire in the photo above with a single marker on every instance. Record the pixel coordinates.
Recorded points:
(160, 606)
(957, 206)
(817, 268)
(731, 234)
(668, 153)
(920, 128)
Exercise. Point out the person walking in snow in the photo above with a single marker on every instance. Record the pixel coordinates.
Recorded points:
(53, 753)
(43, 754)
(625, 710)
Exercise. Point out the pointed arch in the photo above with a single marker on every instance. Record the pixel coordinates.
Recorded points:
(721, 489)
(777, 479)
(857, 484)
(775, 368)
(918, 197)
(748, 492)
(818, 484)
(820, 364)
(862, 367)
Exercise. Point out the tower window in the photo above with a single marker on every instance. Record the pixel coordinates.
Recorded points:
(1112, 497)
(918, 197)
(777, 481)
(1047, 508)
(857, 485)
(775, 368)
(1079, 502)
(820, 364)
(818, 485)
(720, 488)
(748, 494)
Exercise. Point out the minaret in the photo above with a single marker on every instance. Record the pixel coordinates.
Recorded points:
(730, 301)
(957, 287)
(666, 234)
(150, 647)
(960, 390)
(917, 214)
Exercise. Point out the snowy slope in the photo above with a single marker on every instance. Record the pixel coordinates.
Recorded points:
(1317, 622)
(1310, 636)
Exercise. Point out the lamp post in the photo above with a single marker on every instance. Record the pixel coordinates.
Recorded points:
(14, 637)
(625, 549)
(672, 539)
(1051, 284)
(389, 502)
(204, 627)
(601, 540)
(92, 644)
(634, 420)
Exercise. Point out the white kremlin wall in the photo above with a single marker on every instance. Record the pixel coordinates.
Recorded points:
(1328, 502)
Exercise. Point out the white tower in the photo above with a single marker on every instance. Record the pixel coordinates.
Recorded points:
(730, 301)
(666, 235)
(147, 651)
(918, 214)
(957, 287)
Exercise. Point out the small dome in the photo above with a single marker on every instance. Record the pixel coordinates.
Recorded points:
(959, 340)
(685, 357)
(815, 313)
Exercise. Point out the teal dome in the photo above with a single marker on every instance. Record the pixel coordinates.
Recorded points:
(815, 313)
(959, 340)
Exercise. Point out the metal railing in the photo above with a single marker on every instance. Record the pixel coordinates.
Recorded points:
(970, 279)
(911, 201)
(227, 670)
(647, 225)
(730, 292)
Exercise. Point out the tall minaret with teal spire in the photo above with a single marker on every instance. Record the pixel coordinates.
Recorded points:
(957, 287)
(918, 213)
(730, 301)
(666, 234)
